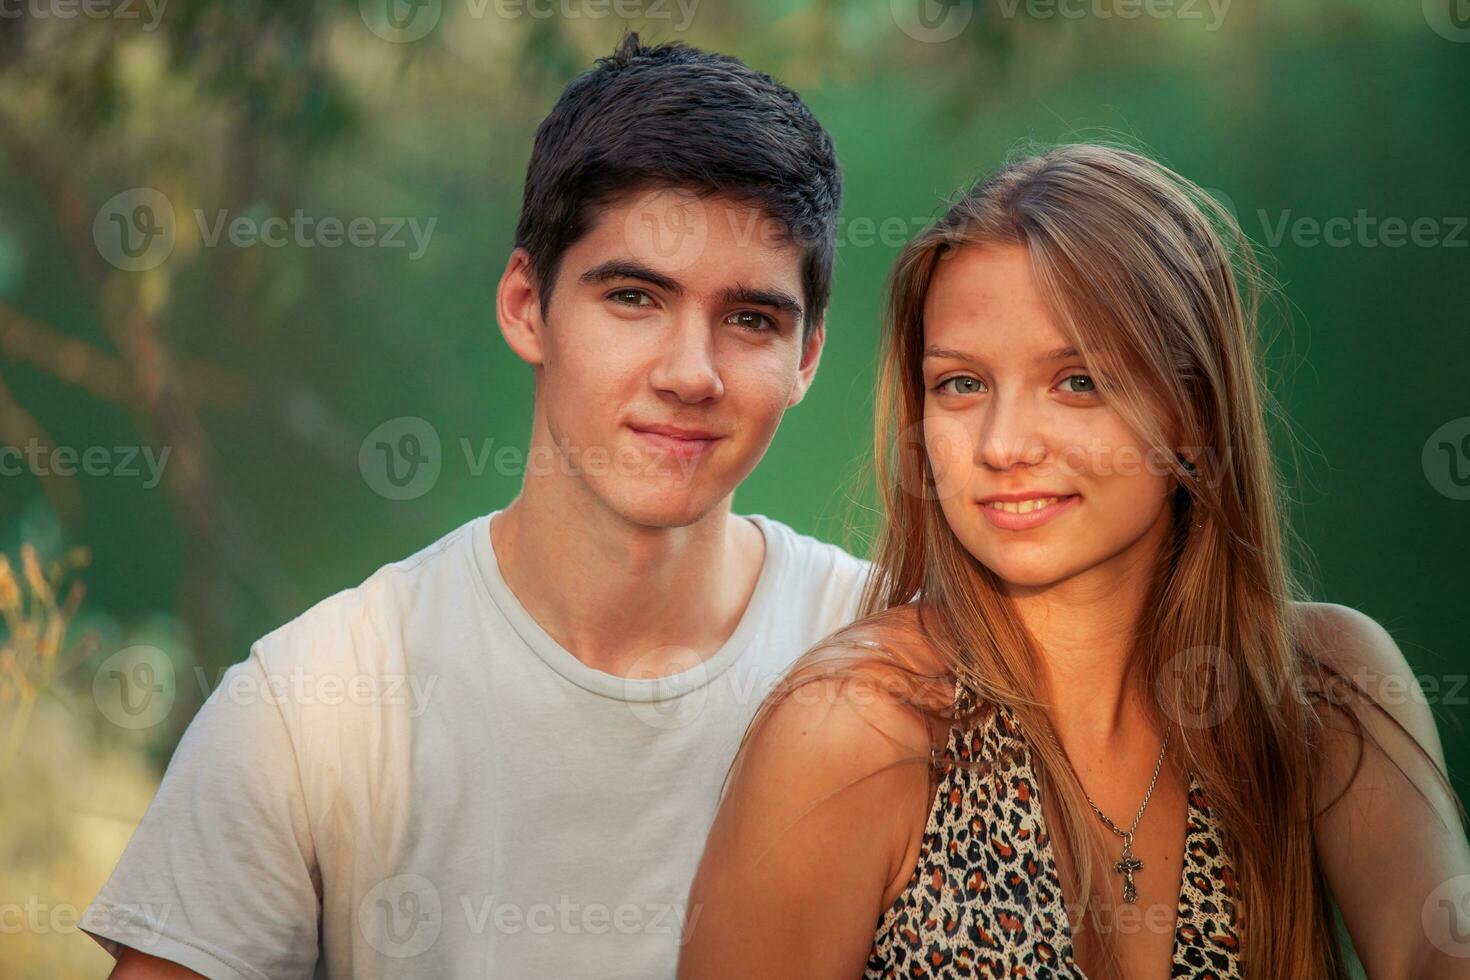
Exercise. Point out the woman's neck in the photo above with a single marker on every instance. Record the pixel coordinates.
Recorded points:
(1086, 629)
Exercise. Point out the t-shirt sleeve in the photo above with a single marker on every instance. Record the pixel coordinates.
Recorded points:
(221, 875)
(844, 585)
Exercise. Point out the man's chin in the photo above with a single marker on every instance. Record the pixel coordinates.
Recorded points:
(664, 507)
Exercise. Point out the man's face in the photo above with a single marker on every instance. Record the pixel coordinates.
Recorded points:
(672, 345)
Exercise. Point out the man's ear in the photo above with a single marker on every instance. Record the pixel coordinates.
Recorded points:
(811, 356)
(518, 308)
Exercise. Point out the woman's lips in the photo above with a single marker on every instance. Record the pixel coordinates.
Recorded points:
(1007, 521)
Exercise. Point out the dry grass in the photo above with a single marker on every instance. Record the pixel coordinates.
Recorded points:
(70, 799)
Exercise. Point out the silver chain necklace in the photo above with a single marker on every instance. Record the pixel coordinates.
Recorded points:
(1129, 864)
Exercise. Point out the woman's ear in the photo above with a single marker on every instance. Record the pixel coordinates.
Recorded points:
(518, 308)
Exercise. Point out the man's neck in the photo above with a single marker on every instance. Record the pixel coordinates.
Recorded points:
(625, 599)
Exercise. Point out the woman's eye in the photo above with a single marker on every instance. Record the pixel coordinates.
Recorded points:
(752, 321)
(631, 297)
(1086, 386)
(974, 385)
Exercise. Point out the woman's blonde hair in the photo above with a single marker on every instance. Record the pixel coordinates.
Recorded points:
(1152, 282)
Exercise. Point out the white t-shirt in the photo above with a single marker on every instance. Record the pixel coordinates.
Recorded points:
(412, 779)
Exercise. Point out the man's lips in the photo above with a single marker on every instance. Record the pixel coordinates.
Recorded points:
(676, 441)
(674, 431)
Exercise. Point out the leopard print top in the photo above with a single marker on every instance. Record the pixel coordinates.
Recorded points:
(985, 899)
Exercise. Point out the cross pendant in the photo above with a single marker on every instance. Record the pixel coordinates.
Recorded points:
(1126, 867)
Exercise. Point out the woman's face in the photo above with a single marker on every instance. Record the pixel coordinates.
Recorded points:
(1038, 476)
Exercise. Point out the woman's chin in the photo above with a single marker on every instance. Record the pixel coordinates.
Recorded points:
(1026, 572)
(1032, 581)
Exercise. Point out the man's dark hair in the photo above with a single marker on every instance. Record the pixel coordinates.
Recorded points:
(675, 116)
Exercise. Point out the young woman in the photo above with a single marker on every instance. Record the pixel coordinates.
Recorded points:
(1089, 727)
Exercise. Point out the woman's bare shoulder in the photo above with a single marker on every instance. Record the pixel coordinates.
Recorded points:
(858, 704)
(887, 647)
(875, 679)
(1366, 657)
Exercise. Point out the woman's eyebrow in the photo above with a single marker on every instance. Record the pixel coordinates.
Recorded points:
(951, 354)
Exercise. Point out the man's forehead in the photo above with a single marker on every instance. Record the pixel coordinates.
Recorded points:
(702, 241)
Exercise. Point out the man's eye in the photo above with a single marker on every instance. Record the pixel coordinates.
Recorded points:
(631, 297)
(752, 321)
(975, 385)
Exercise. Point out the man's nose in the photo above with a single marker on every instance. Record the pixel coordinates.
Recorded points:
(686, 366)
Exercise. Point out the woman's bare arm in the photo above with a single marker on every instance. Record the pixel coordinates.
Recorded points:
(1394, 841)
(821, 810)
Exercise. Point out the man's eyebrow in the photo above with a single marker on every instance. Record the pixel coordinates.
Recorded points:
(951, 354)
(773, 298)
(629, 269)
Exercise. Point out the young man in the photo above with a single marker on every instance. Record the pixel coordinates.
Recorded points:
(500, 757)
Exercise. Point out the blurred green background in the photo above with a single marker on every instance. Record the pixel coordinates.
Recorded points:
(1337, 130)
